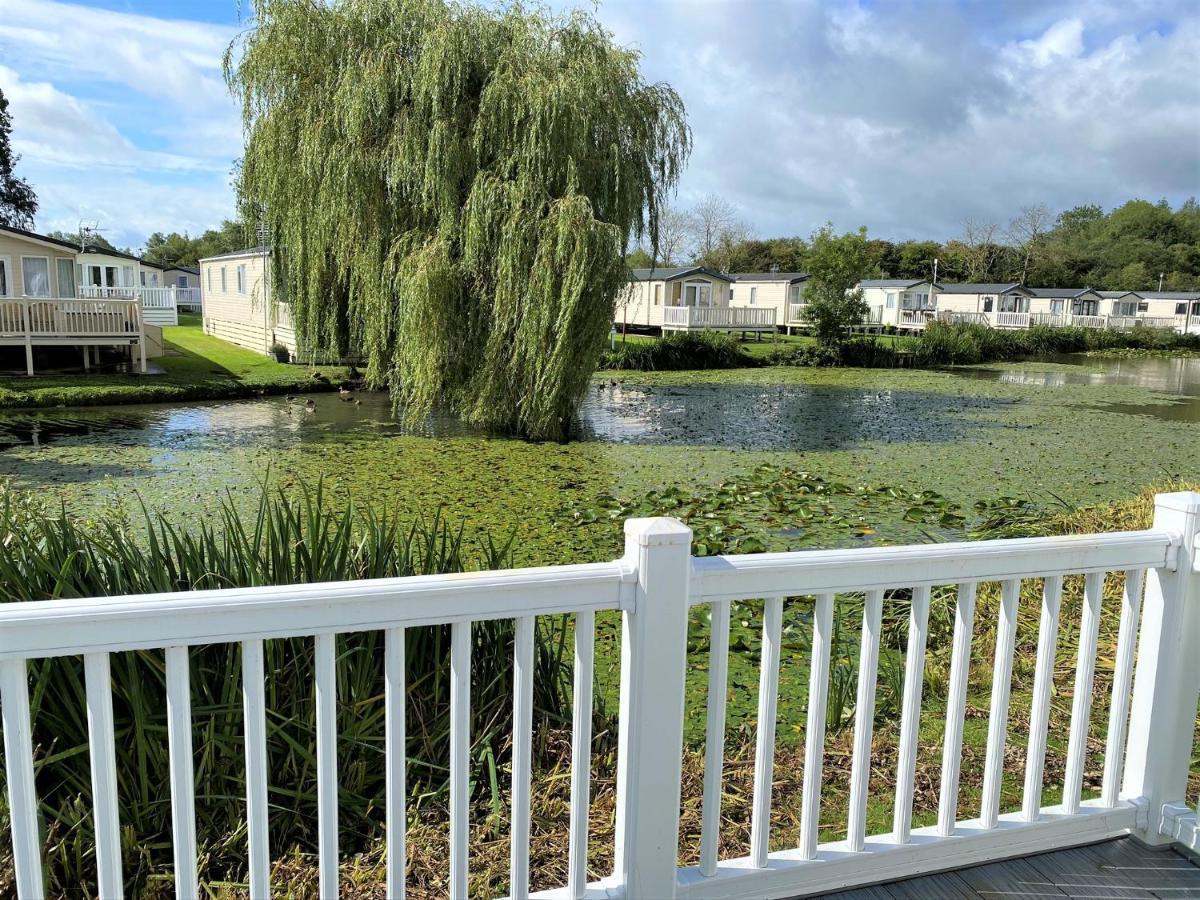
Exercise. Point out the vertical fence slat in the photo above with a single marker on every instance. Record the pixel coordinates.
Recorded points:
(324, 651)
(396, 760)
(910, 716)
(102, 748)
(522, 748)
(814, 741)
(1043, 685)
(1006, 635)
(764, 751)
(864, 719)
(254, 706)
(18, 763)
(460, 745)
(1081, 702)
(714, 739)
(956, 704)
(183, 801)
(581, 752)
(1118, 713)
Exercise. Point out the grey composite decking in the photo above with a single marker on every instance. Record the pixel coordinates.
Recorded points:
(1118, 870)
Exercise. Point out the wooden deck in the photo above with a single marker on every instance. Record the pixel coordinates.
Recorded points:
(1120, 869)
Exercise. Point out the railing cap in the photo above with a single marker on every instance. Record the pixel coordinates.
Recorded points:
(658, 531)
(1179, 501)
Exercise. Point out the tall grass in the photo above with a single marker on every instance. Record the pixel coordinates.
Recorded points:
(678, 350)
(943, 343)
(284, 540)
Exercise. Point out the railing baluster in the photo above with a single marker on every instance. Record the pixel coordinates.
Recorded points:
(102, 748)
(183, 801)
(460, 745)
(522, 748)
(1081, 702)
(581, 752)
(714, 739)
(864, 720)
(1043, 685)
(1006, 635)
(254, 707)
(956, 705)
(396, 761)
(18, 766)
(1118, 713)
(324, 651)
(910, 716)
(814, 741)
(764, 751)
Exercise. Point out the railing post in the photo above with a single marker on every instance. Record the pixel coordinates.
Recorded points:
(1166, 685)
(650, 747)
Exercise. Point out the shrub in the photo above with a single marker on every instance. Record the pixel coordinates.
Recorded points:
(678, 350)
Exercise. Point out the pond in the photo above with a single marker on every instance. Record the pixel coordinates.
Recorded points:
(1083, 429)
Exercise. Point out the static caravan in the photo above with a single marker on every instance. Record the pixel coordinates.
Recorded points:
(780, 291)
(999, 305)
(238, 306)
(650, 291)
(1182, 308)
(902, 302)
(32, 265)
(1068, 306)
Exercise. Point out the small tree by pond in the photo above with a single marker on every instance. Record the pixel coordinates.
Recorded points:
(835, 265)
(451, 187)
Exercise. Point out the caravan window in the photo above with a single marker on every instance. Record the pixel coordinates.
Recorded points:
(753, 295)
(66, 277)
(35, 272)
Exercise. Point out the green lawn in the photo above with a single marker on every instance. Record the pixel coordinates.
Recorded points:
(196, 367)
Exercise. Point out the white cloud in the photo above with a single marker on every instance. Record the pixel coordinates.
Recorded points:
(911, 118)
(907, 117)
(119, 118)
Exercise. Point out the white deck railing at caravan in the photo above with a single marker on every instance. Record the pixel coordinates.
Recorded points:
(160, 305)
(917, 317)
(1056, 320)
(87, 323)
(1088, 321)
(796, 314)
(721, 318)
(1147, 749)
(955, 317)
(1011, 319)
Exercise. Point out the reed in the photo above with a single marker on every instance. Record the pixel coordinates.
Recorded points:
(284, 540)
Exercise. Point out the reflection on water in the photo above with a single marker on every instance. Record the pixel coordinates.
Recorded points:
(740, 416)
(735, 416)
(1178, 376)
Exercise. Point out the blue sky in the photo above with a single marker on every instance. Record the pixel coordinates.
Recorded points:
(907, 117)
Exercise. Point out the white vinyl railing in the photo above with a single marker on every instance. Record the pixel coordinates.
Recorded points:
(69, 318)
(955, 317)
(917, 317)
(656, 583)
(1056, 320)
(159, 304)
(796, 313)
(1088, 321)
(1011, 319)
(730, 318)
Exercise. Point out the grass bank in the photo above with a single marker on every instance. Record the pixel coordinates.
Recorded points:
(197, 367)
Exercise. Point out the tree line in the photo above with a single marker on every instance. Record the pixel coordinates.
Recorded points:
(1130, 247)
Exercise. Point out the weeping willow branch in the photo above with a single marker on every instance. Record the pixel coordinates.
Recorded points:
(450, 189)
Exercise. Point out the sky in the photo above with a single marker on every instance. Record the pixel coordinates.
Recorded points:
(909, 118)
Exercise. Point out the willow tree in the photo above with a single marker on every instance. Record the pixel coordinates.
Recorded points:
(451, 189)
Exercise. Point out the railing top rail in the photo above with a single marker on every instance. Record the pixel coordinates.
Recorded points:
(75, 626)
(858, 569)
